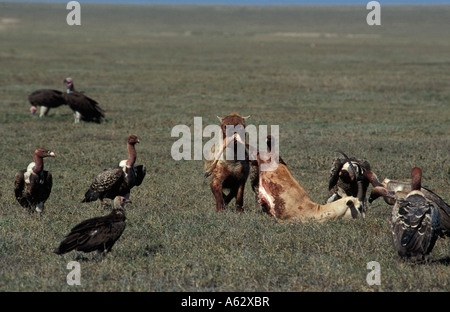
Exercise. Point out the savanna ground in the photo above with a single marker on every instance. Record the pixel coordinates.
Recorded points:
(329, 80)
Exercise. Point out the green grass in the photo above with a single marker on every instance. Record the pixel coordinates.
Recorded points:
(326, 78)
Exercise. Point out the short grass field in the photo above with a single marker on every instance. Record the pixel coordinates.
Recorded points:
(326, 78)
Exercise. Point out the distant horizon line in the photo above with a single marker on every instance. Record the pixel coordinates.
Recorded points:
(246, 2)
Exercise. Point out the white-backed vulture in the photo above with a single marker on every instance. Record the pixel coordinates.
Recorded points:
(415, 221)
(392, 189)
(117, 181)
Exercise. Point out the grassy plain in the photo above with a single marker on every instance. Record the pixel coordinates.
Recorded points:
(329, 81)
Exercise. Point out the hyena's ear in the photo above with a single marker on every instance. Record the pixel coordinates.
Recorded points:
(220, 118)
(246, 117)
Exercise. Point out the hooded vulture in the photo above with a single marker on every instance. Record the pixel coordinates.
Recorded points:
(32, 186)
(117, 181)
(84, 107)
(98, 233)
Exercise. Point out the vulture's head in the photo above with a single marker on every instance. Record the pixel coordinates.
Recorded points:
(120, 201)
(33, 109)
(42, 153)
(69, 83)
(132, 139)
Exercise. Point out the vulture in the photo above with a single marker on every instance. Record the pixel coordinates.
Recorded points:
(84, 107)
(344, 176)
(46, 99)
(117, 181)
(98, 233)
(391, 190)
(415, 222)
(32, 186)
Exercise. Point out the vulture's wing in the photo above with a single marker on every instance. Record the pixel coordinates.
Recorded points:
(141, 171)
(334, 173)
(104, 182)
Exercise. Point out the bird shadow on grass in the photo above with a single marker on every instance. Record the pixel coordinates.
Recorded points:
(151, 250)
(93, 257)
(427, 261)
(443, 261)
(82, 258)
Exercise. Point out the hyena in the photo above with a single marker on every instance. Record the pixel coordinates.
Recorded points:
(228, 173)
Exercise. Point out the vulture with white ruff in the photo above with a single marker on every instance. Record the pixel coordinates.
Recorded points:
(84, 107)
(32, 186)
(117, 181)
(98, 233)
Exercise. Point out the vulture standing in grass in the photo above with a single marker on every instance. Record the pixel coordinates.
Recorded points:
(391, 190)
(32, 186)
(344, 176)
(84, 108)
(46, 99)
(98, 233)
(415, 223)
(117, 181)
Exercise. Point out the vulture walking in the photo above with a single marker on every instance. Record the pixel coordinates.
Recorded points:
(32, 186)
(98, 233)
(117, 181)
(344, 176)
(46, 99)
(84, 107)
